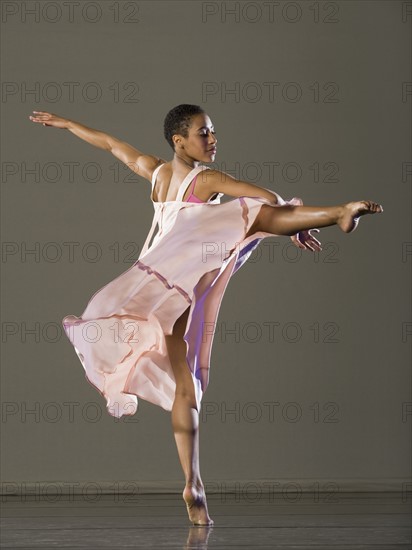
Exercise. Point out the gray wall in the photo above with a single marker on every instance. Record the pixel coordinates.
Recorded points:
(327, 399)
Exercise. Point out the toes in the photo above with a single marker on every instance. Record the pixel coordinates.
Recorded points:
(373, 206)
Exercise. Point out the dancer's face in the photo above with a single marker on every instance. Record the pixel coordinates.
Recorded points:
(200, 141)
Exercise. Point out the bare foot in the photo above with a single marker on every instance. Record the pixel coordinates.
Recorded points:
(195, 499)
(352, 211)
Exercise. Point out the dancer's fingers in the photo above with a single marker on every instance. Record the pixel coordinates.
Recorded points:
(314, 248)
(314, 240)
(297, 242)
(318, 244)
(312, 244)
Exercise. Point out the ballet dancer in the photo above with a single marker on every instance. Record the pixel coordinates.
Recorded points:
(191, 135)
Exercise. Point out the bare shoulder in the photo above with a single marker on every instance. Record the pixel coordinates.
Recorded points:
(147, 164)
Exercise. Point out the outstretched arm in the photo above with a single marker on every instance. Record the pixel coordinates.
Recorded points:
(137, 161)
(220, 182)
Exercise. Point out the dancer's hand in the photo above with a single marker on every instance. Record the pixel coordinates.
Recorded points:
(305, 240)
(49, 119)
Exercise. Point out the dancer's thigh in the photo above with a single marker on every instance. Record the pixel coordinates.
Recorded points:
(261, 221)
(275, 220)
(176, 348)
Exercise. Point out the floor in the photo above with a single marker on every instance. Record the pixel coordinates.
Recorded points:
(349, 521)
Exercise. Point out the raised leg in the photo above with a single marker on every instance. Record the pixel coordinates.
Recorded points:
(185, 423)
(289, 220)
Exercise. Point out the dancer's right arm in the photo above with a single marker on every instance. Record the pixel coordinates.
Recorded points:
(137, 161)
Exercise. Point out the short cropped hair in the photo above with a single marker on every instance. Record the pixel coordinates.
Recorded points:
(178, 121)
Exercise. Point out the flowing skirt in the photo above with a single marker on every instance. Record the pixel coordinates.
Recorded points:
(120, 337)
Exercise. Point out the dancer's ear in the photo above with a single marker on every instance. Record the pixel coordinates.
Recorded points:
(177, 142)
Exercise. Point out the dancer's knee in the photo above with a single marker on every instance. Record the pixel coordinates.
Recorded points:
(176, 347)
(186, 394)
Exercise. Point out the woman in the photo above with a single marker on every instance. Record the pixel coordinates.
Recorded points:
(171, 295)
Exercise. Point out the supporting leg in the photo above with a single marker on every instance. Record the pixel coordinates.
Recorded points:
(185, 422)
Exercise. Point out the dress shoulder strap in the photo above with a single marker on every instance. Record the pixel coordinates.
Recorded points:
(187, 180)
(154, 175)
(155, 216)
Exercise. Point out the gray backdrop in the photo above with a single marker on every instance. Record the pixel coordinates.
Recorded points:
(310, 383)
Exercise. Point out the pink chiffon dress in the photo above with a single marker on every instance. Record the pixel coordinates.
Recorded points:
(120, 337)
